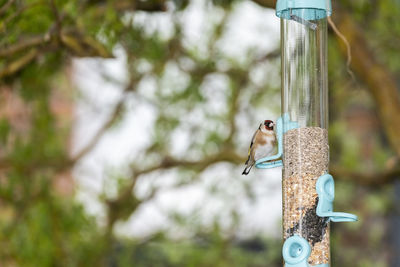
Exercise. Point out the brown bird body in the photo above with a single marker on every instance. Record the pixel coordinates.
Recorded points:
(263, 144)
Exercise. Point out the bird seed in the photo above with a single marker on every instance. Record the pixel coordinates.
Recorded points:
(306, 158)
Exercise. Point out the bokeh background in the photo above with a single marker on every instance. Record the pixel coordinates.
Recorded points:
(124, 126)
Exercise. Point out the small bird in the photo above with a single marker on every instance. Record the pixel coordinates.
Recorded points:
(262, 145)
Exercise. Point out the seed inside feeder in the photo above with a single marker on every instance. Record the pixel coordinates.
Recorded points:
(306, 158)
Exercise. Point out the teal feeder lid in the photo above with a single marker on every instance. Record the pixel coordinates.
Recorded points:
(304, 9)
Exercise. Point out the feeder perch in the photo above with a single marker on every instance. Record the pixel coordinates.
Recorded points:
(326, 195)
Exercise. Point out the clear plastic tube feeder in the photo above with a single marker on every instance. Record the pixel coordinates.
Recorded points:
(305, 148)
(302, 132)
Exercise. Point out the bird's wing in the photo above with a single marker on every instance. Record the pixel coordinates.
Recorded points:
(252, 143)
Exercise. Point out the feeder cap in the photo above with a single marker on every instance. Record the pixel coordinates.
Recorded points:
(306, 9)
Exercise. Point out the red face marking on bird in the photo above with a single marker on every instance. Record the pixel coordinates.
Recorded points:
(269, 125)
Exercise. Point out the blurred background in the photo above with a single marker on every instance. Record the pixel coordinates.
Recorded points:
(124, 127)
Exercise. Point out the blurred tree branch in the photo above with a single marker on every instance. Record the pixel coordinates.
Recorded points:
(4, 8)
(74, 40)
(24, 44)
(115, 115)
(19, 63)
(101, 6)
(363, 178)
(127, 201)
(100, 133)
(82, 45)
(15, 15)
(148, 5)
(266, 3)
(376, 76)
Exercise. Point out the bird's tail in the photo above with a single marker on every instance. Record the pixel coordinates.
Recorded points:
(247, 169)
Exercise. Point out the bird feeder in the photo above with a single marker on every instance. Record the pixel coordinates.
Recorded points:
(302, 133)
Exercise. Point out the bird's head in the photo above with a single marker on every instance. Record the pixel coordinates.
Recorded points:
(269, 125)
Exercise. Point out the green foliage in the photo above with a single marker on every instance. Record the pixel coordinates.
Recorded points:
(203, 250)
(51, 230)
(4, 130)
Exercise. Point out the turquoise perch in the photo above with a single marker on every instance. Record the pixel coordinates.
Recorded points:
(296, 251)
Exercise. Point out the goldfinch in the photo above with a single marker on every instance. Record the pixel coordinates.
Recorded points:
(262, 145)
